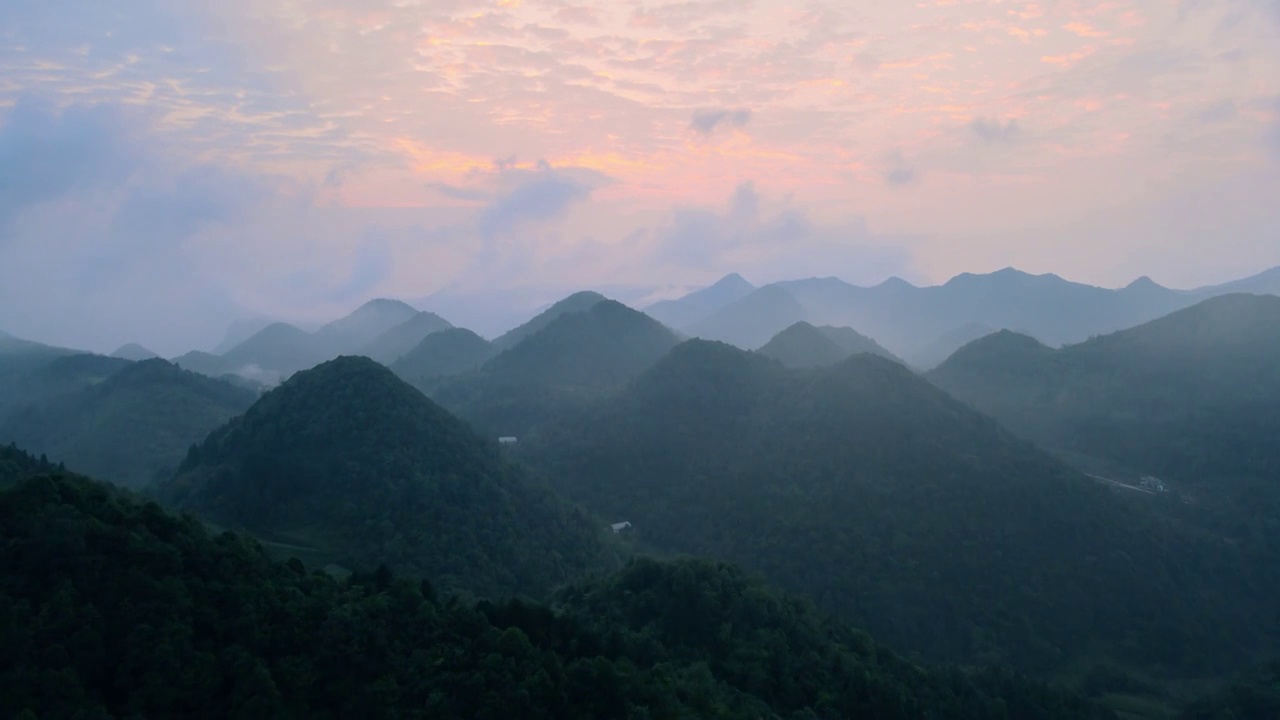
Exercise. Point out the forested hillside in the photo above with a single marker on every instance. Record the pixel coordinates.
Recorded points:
(889, 502)
(802, 345)
(1192, 398)
(571, 360)
(135, 424)
(38, 378)
(393, 344)
(349, 462)
(442, 355)
(116, 609)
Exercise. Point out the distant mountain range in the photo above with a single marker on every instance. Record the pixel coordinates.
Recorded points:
(382, 329)
(925, 324)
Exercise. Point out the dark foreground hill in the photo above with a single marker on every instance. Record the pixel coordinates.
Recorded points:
(348, 460)
(116, 609)
(137, 423)
(889, 502)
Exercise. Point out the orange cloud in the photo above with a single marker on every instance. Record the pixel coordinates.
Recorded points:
(1084, 30)
(1070, 59)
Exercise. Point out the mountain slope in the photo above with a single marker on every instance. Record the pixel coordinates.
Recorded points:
(700, 304)
(279, 348)
(116, 609)
(394, 343)
(1192, 399)
(136, 423)
(442, 355)
(33, 379)
(17, 465)
(1220, 354)
(572, 359)
(575, 303)
(133, 351)
(351, 334)
(751, 321)
(803, 346)
(899, 507)
(936, 352)
(239, 331)
(315, 459)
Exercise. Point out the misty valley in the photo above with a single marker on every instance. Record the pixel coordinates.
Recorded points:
(1009, 496)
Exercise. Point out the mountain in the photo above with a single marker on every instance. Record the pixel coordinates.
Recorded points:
(36, 378)
(20, 360)
(131, 426)
(934, 353)
(355, 465)
(802, 346)
(575, 303)
(442, 355)
(915, 322)
(116, 609)
(900, 508)
(1266, 282)
(17, 465)
(1193, 396)
(395, 342)
(750, 322)
(572, 359)
(700, 304)
(350, 335)
(239, 331)
(133, 351)
(10, 345)
(203, 363)
(279, 349)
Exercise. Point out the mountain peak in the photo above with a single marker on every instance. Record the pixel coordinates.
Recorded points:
(387, 303)
(1001, 348)
(133, 351)
(1143, 283)
(578, 302)
(314, 459)
(895, 283)
(731, 281)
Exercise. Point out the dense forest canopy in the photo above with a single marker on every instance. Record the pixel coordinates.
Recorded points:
(889, 502)
(131, 426)
(349, 461)
(114, 609)
(1192, 399)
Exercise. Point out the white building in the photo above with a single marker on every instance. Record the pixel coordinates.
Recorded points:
(619, 527)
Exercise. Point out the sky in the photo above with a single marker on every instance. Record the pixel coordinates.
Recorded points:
(168, 166)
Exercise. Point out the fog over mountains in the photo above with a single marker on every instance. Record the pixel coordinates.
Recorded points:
(1054, 500)
(920, 324)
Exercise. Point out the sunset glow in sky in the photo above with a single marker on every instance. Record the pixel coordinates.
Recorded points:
(184, 163)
